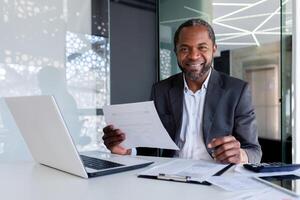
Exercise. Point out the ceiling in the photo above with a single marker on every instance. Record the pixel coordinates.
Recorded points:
(250, 23)
(237, 23)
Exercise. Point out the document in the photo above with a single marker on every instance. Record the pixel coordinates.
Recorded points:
(184, 170)
(252, 188)
(236, 183)
(141, 124)
(263, 194)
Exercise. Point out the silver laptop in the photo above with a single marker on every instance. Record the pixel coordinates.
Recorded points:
(50, 143)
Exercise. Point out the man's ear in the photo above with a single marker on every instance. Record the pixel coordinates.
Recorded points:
(175, 50)
(215, 47)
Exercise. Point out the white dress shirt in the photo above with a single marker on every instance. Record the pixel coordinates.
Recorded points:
(191, 141)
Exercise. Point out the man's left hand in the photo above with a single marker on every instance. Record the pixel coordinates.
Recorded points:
(228, 150)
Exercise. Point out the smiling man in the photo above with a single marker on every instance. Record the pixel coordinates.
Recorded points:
(208, 114)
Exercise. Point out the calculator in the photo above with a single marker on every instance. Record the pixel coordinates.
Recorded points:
(271, 167)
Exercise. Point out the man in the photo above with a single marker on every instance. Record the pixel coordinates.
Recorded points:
(208, 114)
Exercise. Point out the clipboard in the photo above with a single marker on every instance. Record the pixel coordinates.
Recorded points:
(184, 179)
(175, 178)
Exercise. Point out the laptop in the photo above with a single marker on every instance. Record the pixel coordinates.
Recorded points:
(50, 143)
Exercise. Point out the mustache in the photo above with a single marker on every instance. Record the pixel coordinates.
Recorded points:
(205, 68)
(196, 63)
(196, 76)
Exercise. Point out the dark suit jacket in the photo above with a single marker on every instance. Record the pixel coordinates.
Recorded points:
(227, 111)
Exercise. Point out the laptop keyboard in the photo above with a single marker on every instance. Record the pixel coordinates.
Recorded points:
(98, 164)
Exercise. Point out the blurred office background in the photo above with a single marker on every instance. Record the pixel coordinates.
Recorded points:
(92, 53)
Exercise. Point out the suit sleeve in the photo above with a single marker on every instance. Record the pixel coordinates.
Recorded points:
(245, 128)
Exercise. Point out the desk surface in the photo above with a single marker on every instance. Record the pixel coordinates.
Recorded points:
(32, 181)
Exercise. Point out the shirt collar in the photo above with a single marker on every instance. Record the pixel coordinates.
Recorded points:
(204, 85)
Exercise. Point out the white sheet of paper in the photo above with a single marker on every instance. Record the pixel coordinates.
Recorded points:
(236, 183)
(263, 194)
(253, 189)
(141, 124)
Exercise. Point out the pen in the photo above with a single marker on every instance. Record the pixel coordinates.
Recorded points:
(219, 173)
(173, 177)
(185, 179)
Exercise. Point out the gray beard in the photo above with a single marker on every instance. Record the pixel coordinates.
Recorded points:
(194, 76)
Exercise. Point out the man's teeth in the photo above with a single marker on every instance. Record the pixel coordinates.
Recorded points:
(195, 65)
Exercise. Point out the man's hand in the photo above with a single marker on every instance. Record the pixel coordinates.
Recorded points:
(112, 138)
(228, 150)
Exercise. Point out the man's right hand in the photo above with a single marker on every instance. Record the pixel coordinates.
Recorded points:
(112, 138)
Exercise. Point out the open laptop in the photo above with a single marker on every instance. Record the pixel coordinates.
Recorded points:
(50, 143)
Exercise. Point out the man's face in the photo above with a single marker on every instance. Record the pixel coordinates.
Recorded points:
(195, 52)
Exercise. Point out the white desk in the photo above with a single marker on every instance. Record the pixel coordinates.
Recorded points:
(32, 181)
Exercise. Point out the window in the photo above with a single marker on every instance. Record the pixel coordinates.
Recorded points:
(59, 48)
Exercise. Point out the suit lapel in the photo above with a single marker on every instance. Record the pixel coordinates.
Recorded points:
(176, 100)
(213, 95)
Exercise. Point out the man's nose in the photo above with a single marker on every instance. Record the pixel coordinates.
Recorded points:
(194, 54)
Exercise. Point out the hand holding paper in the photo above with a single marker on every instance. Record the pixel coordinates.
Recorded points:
(141, 124)
(112, 139)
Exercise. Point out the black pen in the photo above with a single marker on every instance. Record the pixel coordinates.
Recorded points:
(219, 173)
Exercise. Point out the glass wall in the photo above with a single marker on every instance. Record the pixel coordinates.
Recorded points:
(295, 89)
(171, 14)
(58, 48)
(254, 36)
(286, 78)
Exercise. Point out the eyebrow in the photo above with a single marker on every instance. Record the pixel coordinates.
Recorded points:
(200, 44)
(203, 43)
(184, 44)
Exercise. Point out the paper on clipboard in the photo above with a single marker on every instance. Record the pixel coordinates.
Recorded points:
(141, 124)
(197, 170)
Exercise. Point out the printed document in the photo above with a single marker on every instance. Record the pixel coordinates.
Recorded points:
(141, 125)
(236, 183)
